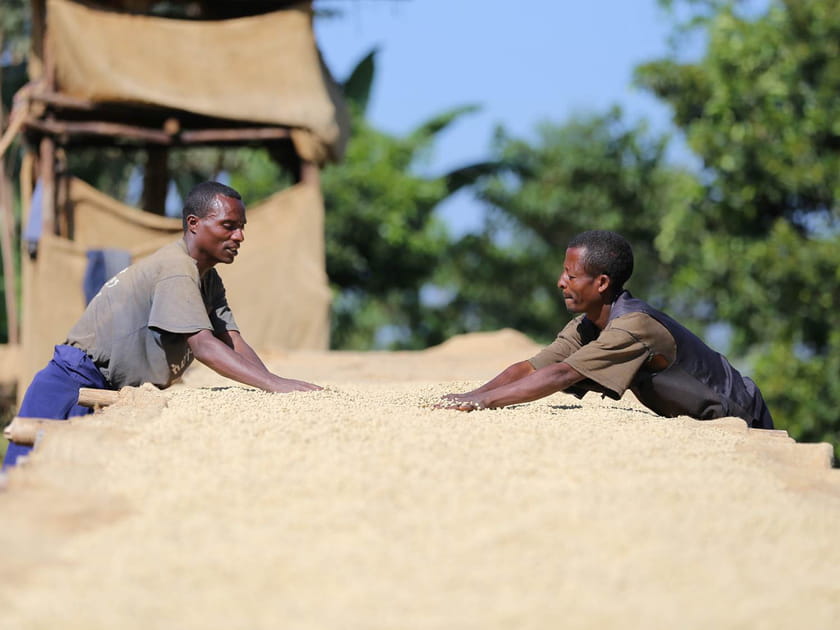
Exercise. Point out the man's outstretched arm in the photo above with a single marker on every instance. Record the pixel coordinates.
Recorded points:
(233, 339)
(510, 374)
(230, 363)
(537, 384)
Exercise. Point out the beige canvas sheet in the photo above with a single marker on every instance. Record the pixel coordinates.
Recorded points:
(264, 69)
(277, 287)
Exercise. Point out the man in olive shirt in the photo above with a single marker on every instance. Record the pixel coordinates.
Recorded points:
(152, 319)
(621, 343)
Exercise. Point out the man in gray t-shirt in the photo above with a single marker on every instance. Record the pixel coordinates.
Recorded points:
(136, 328)
(152, 319)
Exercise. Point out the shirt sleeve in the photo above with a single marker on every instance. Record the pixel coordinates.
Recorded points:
(221, 317)
(177, 306)
(568, 341)
(612, 360)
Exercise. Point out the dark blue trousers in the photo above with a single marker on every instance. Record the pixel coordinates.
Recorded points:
(54, 392)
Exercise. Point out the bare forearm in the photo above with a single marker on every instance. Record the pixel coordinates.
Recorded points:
(219, 356)
(244, 350)
(537, 384)
(230, 364)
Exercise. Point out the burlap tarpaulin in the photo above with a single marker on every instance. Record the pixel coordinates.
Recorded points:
(277, 287)
(264, 68)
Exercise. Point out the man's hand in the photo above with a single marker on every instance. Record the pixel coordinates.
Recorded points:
(239, 362)
(477, 399)
(286, 385)
(461, 402)
(506, 389)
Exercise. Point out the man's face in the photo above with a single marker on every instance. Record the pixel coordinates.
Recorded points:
(219, 234)
(581, 291)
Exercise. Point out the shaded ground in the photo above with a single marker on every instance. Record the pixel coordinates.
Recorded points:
(215, 506)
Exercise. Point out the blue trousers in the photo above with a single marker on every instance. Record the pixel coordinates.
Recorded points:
(54, 392)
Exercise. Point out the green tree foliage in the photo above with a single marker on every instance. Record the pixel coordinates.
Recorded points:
(383, 239)
(595, 172)
(760, 110)
(14, 31)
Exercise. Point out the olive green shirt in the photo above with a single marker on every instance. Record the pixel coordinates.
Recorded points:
(611, 357)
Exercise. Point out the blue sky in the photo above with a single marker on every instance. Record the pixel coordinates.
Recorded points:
(522, 62)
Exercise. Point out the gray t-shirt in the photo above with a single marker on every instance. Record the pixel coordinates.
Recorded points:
(135, 328)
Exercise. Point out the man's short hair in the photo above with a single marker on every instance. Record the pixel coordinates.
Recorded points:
(605, 252)
(199, 201)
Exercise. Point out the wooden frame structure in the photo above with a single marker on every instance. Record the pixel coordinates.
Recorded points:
(55, 122)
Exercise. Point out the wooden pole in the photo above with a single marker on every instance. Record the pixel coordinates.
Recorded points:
(7, 244)
(46, 172)
(310, 174)
(155, 180)
(27, 363)
(254, 134)
(89, 397)
(26, 430)
(46, 166)
(65, 129)
(7, 241)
